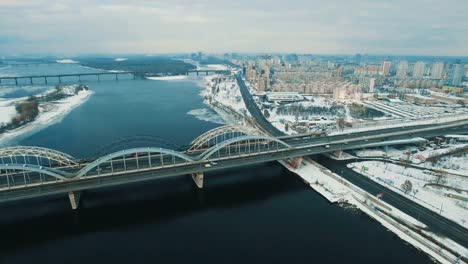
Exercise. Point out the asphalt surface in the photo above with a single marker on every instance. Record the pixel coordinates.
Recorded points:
(255, 111)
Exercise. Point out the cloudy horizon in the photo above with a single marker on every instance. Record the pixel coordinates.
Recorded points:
(61, 27)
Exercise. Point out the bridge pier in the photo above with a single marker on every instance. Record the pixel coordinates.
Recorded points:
(60, 79)
(45, 80)
(74, 199)
(116, 76)
(338, 153)
(198, 179)
(197, 73)
(295, 162)
(16, 81)
(98, 77)
(30, 81)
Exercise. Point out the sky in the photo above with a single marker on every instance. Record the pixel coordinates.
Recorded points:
(76, 27)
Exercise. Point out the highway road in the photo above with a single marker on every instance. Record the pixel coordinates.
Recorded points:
(255, 111)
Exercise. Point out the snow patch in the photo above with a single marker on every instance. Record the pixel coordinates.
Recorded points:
(66, 61)
(121, 59)
(7, 111)
(205, 114)
(168, 78)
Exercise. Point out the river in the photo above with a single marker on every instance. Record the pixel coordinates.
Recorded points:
(259, 214)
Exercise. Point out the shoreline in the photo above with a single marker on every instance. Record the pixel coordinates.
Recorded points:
(49, 113)
(168, 78)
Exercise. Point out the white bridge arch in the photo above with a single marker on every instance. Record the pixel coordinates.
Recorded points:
(220, 134)
(249, 140)
(134, 151)
(25, 153)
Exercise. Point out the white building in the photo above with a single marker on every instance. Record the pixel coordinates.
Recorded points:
(283, 96)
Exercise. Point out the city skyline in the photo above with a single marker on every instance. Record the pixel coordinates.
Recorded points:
(335, 27)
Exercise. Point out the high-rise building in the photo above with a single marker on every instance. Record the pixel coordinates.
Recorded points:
(419, 68)
(402, 69)
(437, 70)
(458, 72)
(357, 59)
(386, 68)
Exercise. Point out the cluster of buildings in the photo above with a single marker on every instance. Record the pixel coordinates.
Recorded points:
(258, 74)
(360, 77)
(439, 72)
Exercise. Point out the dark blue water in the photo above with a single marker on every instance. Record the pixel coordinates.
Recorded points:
(259, 214)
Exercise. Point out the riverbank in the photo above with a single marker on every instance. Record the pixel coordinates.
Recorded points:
(49, 113)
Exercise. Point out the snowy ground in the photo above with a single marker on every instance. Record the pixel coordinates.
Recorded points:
(336, 189)
(49, 113)
(168, 78)
(7, 111)
(455, 164)
(225, 91)
(431, 197)
(66, 61)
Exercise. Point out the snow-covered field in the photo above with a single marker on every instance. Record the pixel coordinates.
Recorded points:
(7, 111)
(336, 189)
(49, 113)
(454, 164)
(168, 78)
(225, 91)
(421, 191)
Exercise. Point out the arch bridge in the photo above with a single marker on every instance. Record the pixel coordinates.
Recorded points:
(27, 172)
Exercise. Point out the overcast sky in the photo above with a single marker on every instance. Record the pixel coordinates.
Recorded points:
(73, 27)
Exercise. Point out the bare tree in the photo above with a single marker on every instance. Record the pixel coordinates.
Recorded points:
(407, 186)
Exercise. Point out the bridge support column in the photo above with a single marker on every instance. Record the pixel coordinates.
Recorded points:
(296, 162)
(74, 199)
(45, 80)
(338, 153)
(60, 79)
(30, 81)
(198, 179)
(16, 81)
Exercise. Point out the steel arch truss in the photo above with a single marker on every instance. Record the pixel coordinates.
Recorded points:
(134, 159)
(35, 156)
(21, 175)
(244, 145)
(218, 135)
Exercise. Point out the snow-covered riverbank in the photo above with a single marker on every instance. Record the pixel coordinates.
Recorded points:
(49, 113)
(7, 110)
(168, 78)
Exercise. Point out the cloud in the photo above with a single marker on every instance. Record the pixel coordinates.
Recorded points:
(303, 26)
